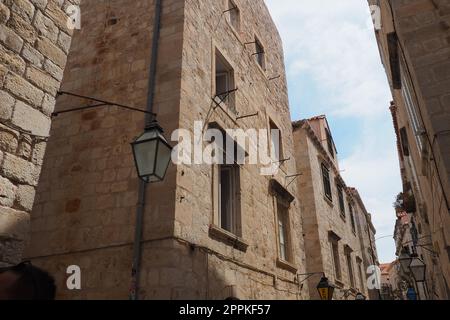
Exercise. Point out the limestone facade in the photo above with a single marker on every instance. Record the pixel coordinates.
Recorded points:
(415, 49)
(34, 42)
(337, 228)
(87, 197)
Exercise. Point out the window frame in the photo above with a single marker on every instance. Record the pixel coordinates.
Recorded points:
(283, 216)
(260, 54)
(273, 126)
(218, 57)
(326, 181)
(330, 143)
(412, 107)
(334, 244)
(351, 211)
(351, 272)
(230, 4)
(340, 190)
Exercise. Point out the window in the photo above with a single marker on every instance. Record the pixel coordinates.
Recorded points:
(330, 142)
(224, 82)
(350, 268)
(341, 199)
(276, 140)
(360, 271)
(336, 259)
(260, 54)
(283, 231)
(326, 182)
(352, 218)
(412, 109)
(227, 207)
(404, 141)
(234, 15)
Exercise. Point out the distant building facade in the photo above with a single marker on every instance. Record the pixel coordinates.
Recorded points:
(339, 236)
(414, 48)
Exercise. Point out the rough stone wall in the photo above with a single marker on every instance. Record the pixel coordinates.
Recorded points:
(87, 197)
(322, 216)
(87, 218)
(253, 274)
(34, 43)
(423, 29)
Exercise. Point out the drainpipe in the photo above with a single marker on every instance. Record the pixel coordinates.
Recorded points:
(137, 249)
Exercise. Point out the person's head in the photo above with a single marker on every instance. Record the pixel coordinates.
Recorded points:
(26, 282)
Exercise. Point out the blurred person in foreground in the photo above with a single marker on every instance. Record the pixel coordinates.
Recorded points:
(26, 282)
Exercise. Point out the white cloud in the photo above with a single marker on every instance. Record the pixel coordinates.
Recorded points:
(328, 44)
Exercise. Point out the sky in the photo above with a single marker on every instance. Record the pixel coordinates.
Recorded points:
(334, 68)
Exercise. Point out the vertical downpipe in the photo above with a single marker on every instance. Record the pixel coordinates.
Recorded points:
(137, 249)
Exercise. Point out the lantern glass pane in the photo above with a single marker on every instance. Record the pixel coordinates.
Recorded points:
(145, 153)
(163, 160)
(418, 270)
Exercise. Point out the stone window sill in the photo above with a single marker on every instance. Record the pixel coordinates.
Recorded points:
(339, 284)
(228, 238)
(286, 266)
(327, 200)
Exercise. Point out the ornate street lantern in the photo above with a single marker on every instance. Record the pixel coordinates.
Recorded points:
(405, 260)
(418, 268)
(152, 154)
(325, 289)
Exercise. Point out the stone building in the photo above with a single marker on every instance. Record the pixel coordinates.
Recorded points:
(334, 216)
(405, 236)
(34, 43)
(414, 45)
(209, 231)
(366, 234)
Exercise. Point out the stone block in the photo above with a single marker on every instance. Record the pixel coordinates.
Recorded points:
(30, 119)
(21, 88)
(10, 39)
(25, 197)
(7, 192)
(42, 80)
(6, 108)
(23, 28)
(51, 51)
(19, 170)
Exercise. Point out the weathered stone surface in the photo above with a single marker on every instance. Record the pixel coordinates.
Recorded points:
(55, 71)
(8, 141)
(11, 61)
(30, 119)
(22, 28)
(10, 39)
(64, 41)
(42, 80)
(32, 55)
(23, 89)
(13, 224)
(7, 191)
(6, 108)
(46, 26)
(23, 8)
(38, 153)
(4, 13)
(51, 51)
(19, 170)
(48, 105)
(25, 197)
